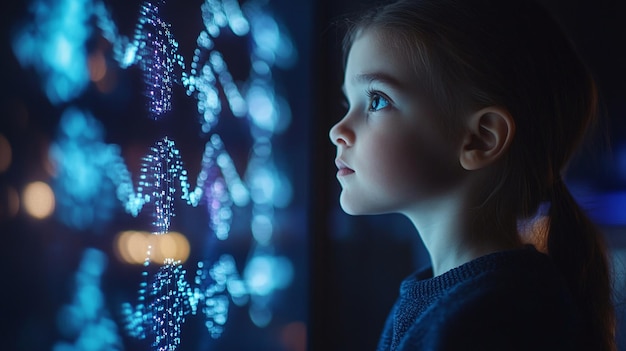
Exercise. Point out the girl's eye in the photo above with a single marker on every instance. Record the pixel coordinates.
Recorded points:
(377, 102)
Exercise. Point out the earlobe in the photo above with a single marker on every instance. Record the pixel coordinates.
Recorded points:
(488, 135)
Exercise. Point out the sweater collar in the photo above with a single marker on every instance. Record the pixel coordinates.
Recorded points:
(422, 283)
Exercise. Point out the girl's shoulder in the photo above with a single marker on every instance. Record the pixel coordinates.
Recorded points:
(517, 296)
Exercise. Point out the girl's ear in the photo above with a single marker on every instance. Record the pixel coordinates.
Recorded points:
(488, 135)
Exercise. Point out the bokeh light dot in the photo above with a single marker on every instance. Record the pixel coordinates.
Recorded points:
(121, 246)
(132, 247)
(182, 246)
(165, 247)
(38, 200)
(137, 246)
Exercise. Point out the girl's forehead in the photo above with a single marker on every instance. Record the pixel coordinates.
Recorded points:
(372, 53)
(378, 37)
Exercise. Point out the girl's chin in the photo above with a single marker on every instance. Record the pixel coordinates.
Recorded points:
(355, 208)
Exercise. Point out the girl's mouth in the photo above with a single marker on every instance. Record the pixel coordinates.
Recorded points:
(344, 172)
(343, 169)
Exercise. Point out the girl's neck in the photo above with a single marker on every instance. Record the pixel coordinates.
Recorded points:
(452, 237)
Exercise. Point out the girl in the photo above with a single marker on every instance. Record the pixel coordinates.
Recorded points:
(462, 116)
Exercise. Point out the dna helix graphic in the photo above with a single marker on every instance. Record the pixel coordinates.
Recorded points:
(165, 296)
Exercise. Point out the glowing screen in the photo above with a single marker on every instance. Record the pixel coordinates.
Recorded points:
(163, 168)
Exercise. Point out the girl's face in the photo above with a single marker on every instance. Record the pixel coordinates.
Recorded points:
(392, 152)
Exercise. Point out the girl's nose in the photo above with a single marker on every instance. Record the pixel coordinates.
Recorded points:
(340, 134)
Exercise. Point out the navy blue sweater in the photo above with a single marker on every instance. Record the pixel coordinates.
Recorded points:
(510, 300)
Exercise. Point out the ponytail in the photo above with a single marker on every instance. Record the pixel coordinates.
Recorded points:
(575, 245)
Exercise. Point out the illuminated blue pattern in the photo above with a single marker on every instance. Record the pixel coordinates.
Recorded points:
(158, 173)
(163, 174)
(53, 44)
(83, 161)
(159, 53)
(85, 320)
(153, 47)
(165, 298)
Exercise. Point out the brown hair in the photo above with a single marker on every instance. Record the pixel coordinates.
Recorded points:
(471, 54)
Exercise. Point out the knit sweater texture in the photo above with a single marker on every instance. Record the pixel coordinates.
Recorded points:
(510, 300)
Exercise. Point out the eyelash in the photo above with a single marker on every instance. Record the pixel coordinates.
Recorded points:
(372, 94)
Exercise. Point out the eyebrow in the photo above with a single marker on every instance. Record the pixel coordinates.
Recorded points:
(376, 76)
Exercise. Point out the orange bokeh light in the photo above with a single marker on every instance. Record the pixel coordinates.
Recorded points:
(133, 247)
(38, 200)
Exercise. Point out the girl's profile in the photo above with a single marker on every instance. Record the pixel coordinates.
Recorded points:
(462, 116)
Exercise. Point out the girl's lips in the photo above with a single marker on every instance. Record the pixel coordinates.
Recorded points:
(344, 172)
(343, 169)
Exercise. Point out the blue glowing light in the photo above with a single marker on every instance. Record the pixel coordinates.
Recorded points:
(163, 174)
(81, 158)
(82, 178)
(272, 46)
(266, 273)
(165, 302)
(218, 182)
(157, 54)
(606, 209)
(53, 44)
(159, 173)
(86, 322)
(155, 49)
(91, 174)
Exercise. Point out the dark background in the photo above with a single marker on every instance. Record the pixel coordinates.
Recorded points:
(348, 268)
